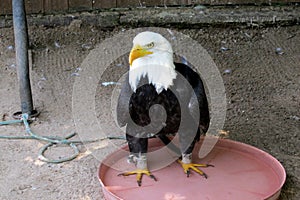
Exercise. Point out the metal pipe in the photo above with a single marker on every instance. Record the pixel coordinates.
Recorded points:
(21, 44)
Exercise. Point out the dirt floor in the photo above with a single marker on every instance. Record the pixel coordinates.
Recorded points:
(262, 88)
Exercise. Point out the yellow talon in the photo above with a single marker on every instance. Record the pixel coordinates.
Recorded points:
(139, 175)
(187, 166)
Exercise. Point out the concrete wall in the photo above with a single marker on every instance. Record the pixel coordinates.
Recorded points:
(63, 6)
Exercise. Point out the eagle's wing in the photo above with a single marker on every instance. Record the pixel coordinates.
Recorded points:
(123, 103)
(198, 98)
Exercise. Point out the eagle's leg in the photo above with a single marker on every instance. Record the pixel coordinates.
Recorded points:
(141, 168)
(187, 165)
(138, 148)
(187, 145)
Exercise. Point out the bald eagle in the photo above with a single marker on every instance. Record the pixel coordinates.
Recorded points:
(154, 79)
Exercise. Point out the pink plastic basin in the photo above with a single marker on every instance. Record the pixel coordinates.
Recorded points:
(241, 172)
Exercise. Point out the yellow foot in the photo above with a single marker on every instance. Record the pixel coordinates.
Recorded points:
(188, 166)
(139, 174)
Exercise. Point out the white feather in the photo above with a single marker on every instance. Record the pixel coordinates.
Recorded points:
(158, 67)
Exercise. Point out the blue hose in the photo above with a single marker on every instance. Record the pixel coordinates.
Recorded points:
(51, 140)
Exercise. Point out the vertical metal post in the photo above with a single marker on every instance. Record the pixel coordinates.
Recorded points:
(21, 44)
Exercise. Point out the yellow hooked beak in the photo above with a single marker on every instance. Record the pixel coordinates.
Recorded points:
(137, 52)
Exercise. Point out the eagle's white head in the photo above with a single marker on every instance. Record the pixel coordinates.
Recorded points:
(151, 57)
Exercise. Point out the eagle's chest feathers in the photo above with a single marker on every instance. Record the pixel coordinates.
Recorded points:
(159, 72)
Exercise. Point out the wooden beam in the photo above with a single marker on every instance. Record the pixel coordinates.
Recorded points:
(104, 4)
(5, 7)
(51, 6)
(34, 6)
(80, 5)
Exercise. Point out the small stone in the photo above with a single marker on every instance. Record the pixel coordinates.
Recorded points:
(110, 83)
(279, 51)
(10, 48)
(224, 49)
(227, 71)
(57, 45)
(295, 118)
(87, 46)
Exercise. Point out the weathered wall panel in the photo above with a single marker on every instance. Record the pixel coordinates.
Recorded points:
(53, 6)
(240, 2)
(177, 2)
(137, 3)
(34, 6)
(5, 7)
(104, 4)
(56, 6)
(79, 5)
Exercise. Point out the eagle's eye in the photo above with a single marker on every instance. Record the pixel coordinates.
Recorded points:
(150, 45)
